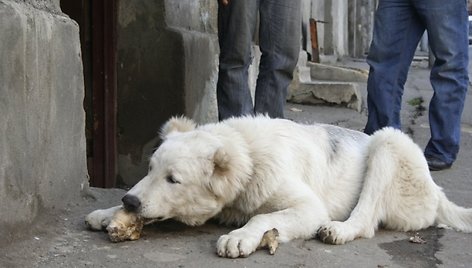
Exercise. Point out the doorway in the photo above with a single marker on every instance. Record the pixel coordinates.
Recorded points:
(97, 22)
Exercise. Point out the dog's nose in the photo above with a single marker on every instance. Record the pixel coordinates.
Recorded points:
(131, 203)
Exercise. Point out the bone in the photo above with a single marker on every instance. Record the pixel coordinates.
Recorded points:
(125, 226)
(270, 240)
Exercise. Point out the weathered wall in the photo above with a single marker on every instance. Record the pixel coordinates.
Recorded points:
(51, 6)
(196, 22)
(339, 29)
(344, 27)
(361, 16)
(167, 65)
(42, 141)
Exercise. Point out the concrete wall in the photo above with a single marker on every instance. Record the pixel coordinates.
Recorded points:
(344, 27)
(42, 141)
(196, 22)
(167, 65)
(361, 17)
(336, 27)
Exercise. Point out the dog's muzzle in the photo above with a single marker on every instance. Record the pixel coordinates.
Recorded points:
(131, 203)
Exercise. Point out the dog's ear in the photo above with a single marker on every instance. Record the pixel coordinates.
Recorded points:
(177, 124)
(219, 185)
(232, 169)
(221, 160)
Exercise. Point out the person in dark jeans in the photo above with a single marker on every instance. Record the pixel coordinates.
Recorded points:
(398, 27)
(279, 41)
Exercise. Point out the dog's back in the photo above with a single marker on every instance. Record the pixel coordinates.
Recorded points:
(327, 159)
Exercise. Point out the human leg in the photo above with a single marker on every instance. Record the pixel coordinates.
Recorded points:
(447, 31)
(236, 25)
(397, 31)
(279, 38)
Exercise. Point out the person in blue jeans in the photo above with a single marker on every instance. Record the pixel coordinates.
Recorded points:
(279, 42)
(398, 27)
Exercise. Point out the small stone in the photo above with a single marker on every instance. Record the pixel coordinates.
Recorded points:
(417, 239)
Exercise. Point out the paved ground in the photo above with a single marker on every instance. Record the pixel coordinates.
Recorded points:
(61, 240)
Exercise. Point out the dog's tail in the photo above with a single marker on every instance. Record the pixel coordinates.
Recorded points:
(454, 216)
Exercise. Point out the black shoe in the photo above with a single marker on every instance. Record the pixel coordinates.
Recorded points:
(436, 164)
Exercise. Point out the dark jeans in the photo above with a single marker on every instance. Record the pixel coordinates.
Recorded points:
(279, 41)
(398, 27)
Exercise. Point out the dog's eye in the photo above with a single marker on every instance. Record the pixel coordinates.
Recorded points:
(150, 169)
(171, 179)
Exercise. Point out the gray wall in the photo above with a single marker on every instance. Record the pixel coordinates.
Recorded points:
(167, 65)
(344, 27)
(42, 141)
(361, 17)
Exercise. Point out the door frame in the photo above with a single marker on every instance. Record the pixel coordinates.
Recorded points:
(104, 85)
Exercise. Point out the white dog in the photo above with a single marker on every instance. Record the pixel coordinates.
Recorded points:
(303, 180)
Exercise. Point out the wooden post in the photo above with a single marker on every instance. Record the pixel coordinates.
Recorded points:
(314, 41)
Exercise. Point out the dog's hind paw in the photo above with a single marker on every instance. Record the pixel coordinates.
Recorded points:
(336, 233)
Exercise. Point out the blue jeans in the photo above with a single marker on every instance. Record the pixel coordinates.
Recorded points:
(398, 27)
(279, 41)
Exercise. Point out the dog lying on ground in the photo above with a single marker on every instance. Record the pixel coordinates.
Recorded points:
(302, 180)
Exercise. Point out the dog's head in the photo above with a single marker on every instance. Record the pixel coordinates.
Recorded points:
(191, 176)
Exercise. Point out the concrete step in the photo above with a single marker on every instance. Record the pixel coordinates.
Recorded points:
(319, 71)
(316, 83)
(327, 92)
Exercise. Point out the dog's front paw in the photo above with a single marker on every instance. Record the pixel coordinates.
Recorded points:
(237, 244)
(99, 219)
(335, 232)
